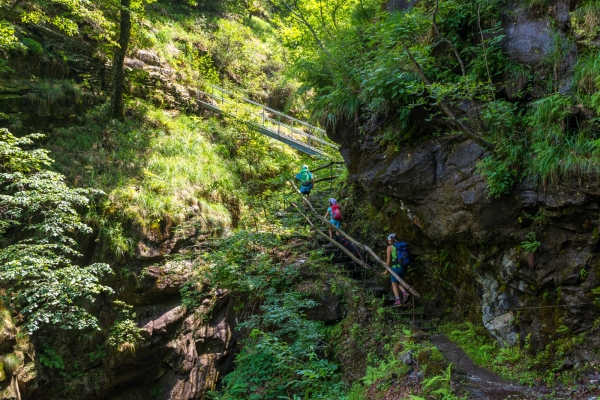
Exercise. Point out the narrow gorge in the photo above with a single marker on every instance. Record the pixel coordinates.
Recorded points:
(165, 252)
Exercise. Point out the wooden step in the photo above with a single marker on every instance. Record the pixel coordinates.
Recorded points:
(425, 328)
(407, 313)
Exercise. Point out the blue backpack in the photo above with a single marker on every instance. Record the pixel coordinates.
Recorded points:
(402, 256)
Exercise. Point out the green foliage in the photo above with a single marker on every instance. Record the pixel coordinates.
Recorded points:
(586, 73)
(33, 46)
(499, 175)
(531, 244)
(586, 20)
(51, 359)
(360, 60)
(98, 354)
(514, 363)
(39, 220)
(114, 239)
(283, 361)
(124, 334)
(439, 385)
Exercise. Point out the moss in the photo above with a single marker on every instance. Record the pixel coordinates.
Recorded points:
(431, 362)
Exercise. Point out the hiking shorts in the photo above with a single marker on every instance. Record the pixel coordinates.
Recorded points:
(338, 224)
(400, 271)
(306, 189)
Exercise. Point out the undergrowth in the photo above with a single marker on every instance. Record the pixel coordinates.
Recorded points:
(164, 171)
(515, 363)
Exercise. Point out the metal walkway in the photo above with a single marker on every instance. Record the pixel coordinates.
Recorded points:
(291, 131)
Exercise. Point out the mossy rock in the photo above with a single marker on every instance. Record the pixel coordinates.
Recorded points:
(431, 364)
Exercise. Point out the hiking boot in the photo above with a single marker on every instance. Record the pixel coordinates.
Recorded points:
(404, 296)
(398, 302)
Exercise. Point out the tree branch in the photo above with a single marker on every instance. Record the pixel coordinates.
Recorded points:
(11, 9)
(468, 132)
(487, 66)
(442, 38)
(300, 17)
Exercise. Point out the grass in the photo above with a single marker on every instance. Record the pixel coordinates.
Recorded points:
(156, 169)
(586, 20)
(241, 53)
(586, 73)
(165, 172)
(513, 363)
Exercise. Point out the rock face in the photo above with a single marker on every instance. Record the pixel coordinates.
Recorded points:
(183, 354)
(435, 199)
(440, 203)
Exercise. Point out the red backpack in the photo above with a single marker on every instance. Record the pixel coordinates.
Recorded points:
(336, 214)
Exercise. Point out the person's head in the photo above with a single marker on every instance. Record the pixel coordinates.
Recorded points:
(305, 166)
(332, 201)
(391, 238)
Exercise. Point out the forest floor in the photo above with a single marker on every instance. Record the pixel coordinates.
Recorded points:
(481, 383)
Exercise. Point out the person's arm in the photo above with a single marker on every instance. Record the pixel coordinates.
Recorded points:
(326, 214)
(388, 258)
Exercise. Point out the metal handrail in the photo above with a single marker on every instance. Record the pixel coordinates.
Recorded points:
(268, 122)
(289, 138)
(263, 106)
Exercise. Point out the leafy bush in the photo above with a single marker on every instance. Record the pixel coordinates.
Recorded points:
(124, 333)
(283, 361)
(51, 359)
(39, 219)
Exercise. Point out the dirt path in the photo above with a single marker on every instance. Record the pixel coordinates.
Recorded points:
(481, 383)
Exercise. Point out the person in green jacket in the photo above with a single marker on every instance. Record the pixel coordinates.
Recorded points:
(306, 180)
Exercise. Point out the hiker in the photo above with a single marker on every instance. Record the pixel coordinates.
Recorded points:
(306, 180)
(351, 247)
(398, 259)
(335, 215)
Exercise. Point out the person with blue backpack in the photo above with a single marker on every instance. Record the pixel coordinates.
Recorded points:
(306, 180)
(335, 215)
(398, 259)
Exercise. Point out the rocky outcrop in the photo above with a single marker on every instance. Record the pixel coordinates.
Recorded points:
(439, 202)
(436, 199)
(183, 354)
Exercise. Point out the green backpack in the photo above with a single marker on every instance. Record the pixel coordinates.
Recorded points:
(305, 178)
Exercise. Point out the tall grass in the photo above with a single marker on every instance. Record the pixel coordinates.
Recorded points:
(560, 143)
(163, 170)
(586, 19)
(587, 72)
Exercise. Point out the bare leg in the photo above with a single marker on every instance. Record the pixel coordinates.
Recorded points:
(396, 289)
(330, 233)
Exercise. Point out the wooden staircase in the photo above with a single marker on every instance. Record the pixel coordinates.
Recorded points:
(411, 312)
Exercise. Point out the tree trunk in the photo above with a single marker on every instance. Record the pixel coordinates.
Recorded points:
(117, 106)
